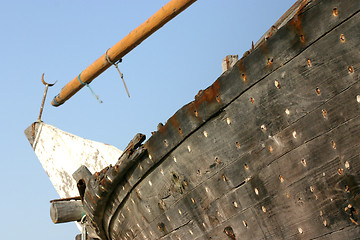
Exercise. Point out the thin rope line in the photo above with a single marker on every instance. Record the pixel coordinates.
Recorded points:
(86, 84)
(116, 65)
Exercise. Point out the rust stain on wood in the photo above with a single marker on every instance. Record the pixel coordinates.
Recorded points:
(296, 23)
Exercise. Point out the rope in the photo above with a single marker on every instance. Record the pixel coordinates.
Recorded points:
(83, 232)
(86, 84)
(116, 65)
(55, 102)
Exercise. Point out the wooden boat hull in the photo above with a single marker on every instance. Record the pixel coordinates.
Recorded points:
(269, 151)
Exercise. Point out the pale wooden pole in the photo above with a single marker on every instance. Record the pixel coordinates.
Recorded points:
(66, 211)
(120, 49)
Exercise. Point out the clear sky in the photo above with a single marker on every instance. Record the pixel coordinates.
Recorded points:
(61, 38)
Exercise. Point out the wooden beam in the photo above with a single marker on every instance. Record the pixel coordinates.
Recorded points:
(82, 173)
(120, 49)
(69, 211)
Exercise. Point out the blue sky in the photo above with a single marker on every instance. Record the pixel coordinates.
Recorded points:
(61, 38)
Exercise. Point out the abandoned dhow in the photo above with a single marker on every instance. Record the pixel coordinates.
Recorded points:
(269, 151)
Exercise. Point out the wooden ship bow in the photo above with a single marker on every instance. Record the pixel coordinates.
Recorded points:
(269, 151)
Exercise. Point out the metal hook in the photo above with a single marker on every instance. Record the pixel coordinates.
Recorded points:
(47, 85)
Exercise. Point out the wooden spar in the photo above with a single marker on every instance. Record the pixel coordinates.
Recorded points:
(124, 46)
(67, 211)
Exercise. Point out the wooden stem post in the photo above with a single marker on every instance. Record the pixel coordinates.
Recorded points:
(120, 49)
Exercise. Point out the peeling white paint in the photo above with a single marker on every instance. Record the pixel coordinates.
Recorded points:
(62, 153)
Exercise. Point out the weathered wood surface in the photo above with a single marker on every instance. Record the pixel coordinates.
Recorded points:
(269, 151)
(82, 173)
(66, 211)
(78, 237)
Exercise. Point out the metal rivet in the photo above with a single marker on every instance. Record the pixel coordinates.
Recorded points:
(244, 223)
(300, 230)
(333, 144)
(342, 38)
(174, 158)
(179, 211)
(271, 149)
(196, 113)
(237, 144)
(138, 193)
(218, 213)
(246, 166)
(235, 204)
(309, 63)
(228, 121)
(350, 69)
(218, 99)
(150, 183)
(193, 201)
(263, 128)
(287, 111)
(347, 164)
(294, 134)
(311, 188)
(256, 191)
(263, 209)
(335, 12)
(243, 75)
(303, 161)
(302, 38)
(252, 100)
(324, 113)
(340, 171)
(166, 143)
(277, 84)
(205, 134)
(317, 91)
(281, 178)
(189, 149)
